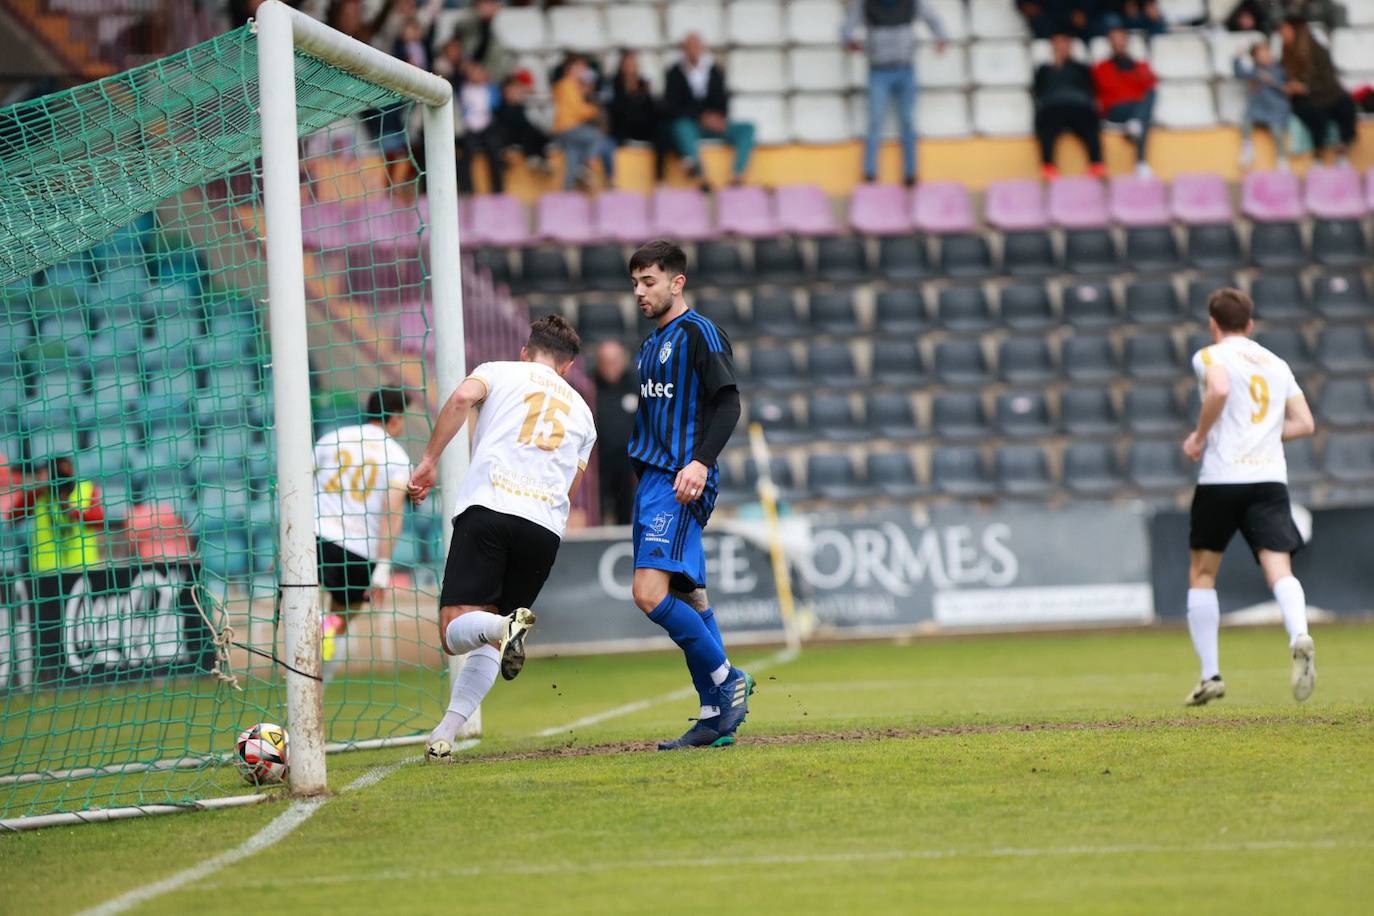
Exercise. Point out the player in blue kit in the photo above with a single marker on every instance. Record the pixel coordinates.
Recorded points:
(688, 406)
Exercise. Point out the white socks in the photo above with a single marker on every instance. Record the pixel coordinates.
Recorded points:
(1204, 619)
(1293, 603)
(720, 674)
(475, 628)
(473, 682)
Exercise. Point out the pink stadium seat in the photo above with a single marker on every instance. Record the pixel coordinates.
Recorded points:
(1271, 197)
(805, 210)
(1078, 203)
(682, 213)
(467, 229)
(880, 209)
(1016, 204)
(1139, 201)
(500, 219)
(1201, 199)
(566, 217)
(746, 211)
(1334, 193)
(324, 225)
(623, 216)
(943, 206)
(1369, 187)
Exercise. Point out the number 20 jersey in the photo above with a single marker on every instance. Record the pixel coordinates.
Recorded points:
(533, 434)
(1245, 445)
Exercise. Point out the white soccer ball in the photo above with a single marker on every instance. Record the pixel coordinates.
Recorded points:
(261, 754)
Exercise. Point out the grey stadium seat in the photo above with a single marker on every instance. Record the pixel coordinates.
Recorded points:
(1214, 247)
(1089, 412)
(1153, 409)
(1153, 302)
(965, 255)
(1089, 305)
(1346, 402)
(779, 469)
(778, 419)
(898, 362)
(832, 417)
(1092, 468)
(961, 362)
(719, 263)
(775, 315)
(903, 258)
(600, 321)
(1279, 296)
(890, 416)
(1026, 359)
(1277, 245)
(959, 415)
(774, 367)
(1345, 349)
(832, 477)
(544, 270)
(964, 308)
(1339, 242)
(1349, 457)
(603, 267)
(1157, 465)
(841, 258)
(1089, 357)
(724, 313)
(1151, 249)
(1342, 294)
(1028, 253)
(1090, 251)
(1022, 470)
(1301, 456)
(1152, 356)
(901, 311)
(1024, 413)
(832, 365)
(960, 471)
(778, 260)
(833, 312)
(1026, 306)
(893, 475)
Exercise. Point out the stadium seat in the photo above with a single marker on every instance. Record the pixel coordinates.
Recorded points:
(496, 262)
(943, 207)
(1157, 465)
(1153, 409)
(681, 213)
(1350, 46)
(995, 19)
(900, 311)
(778, 261)
(1289, 345)
(1346, 403)
(1089, 305)
(1345, 349)
(1339, 242)
(1152, 356)
(731, 484)
(832, 365)
(1333, 193)
(701, 16)
(803, 209)
(754, 70)
(1153, 302)
(959, 415)
(1026, 306)
(1185, 106)
(755, 22)
(724, 313)
(1002, 112)
(1016, 204)
(1135, 201)
(635, 25)
(1089, 358)
(1092, 469)
(578, 27)
(1090, 251)
(500, 219)
(1028, 253)
(775, 315)
(1341, 294)
(1023, 470)
(1180, 56)
(880, 209)
(1227, 46)
(623, 216)
(961, 362)
(965, 255)
(832, 417)
(1277, 245)
(893, 475)
(1213, 246)
(720, 263)
(834, 312)
(779, 469)
(118, 349)
(1271, 197)
(1078, 203)
(1152, 249)
(903, 258)
(964, 308)
(817, 70)
(1301, 458)
(943, 114)
(1279, 296)
(601, 321)
(544, 270)
(814, 22)
(1026, 360)
(1349, 457)
(767, 111)
(890, 416)
(778, 419)
(942, 71)
(960, 471)
(819, 117)
(999, 63)
(832, 477)
(898, 362)
(521, 29)
(1024, 413)
(603, 267)
(1089, 412)
(746, 211)
(775, 367)
(841, 259)
(1200, 199)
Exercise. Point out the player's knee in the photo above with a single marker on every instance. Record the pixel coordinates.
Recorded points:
(648, 594)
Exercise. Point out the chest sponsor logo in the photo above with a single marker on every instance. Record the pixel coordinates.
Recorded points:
(656, 389)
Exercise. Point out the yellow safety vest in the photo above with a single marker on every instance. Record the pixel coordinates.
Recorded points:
(60, 541)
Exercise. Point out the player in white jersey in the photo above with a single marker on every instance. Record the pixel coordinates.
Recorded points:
(531, 441)
(1251, 405)
(361, 473)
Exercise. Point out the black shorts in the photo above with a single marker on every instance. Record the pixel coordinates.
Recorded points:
(1259, 511)
(344, 574)
(498, 559)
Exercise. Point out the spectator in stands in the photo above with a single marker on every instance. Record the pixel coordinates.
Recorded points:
(514, 120)
(473, 30)
(617, 399)
(1253, 16)
(696, 103)
(578, 123)
(1064, 101)
(891, 47)
(1077, 18)
(158, 535)
(1136, 15)
(1126, 92)
(1317, 97)
(1266, 103)
(479, 101)
(68, 518)
(635, 114)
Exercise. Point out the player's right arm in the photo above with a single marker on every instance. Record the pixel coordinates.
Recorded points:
(1297, 418)
(451, 419)
(1216, 389)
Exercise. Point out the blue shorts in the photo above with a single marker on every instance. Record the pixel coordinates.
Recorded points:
(666, 533)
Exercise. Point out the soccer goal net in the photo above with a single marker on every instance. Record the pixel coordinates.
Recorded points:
(208, 263)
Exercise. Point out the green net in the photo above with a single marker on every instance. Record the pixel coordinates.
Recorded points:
(138, 534)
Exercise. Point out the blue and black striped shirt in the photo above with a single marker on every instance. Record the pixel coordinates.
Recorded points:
(681, 368)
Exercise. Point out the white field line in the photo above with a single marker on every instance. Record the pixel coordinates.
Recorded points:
(836, 858)
(771, 661)
(276, 830)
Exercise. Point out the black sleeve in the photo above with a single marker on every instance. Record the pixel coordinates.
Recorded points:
(721, 415)
(715, 367)
(676, 94)
(717, 96)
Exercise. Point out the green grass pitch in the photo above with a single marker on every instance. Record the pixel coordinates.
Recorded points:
(1028, 774)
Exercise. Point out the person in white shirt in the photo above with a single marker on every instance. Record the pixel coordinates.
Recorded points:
(1251, 405)
(531, 441)
(361, 473)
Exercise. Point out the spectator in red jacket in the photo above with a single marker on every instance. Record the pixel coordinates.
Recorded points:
(1126, 92)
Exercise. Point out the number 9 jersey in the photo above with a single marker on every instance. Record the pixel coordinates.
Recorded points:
(532, 436)
(1245, 445)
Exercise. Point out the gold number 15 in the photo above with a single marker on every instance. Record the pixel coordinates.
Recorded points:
(551, 431)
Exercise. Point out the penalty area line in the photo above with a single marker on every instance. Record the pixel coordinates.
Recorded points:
(277, 829)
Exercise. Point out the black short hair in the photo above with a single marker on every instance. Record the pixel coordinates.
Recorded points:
(662, 253)
(553, 335)
(385, 403)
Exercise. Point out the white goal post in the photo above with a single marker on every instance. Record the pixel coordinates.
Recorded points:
(281, 31)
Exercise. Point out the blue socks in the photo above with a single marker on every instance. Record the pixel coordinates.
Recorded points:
(704, 685)
(698, 638)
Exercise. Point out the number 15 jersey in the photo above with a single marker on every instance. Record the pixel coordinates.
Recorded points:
(1245, 445)
(533, 434)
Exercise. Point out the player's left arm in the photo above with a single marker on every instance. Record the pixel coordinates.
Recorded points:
(1216, 389)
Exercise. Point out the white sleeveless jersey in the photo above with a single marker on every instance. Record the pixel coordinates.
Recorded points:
(533, 434)
(354, 468)
(1245, 445)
